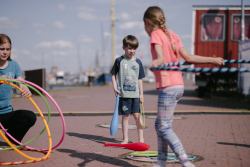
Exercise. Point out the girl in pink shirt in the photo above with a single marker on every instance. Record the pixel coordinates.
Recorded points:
(165, 48)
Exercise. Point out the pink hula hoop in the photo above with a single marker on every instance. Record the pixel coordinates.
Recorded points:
(58, 108)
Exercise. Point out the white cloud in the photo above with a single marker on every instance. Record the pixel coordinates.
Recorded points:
(86, 16)
(59, 24)
(7, 23)
(107, 34)
(86, 13)
(85, 38)
(85, 8)
(24, 52)
(55, 44)
(38, 25)
(38, 32)
(20, 51)
(142, 34)
(123, 16)
(61, 7)
(17, 53)
(132, 25)
(59, 53)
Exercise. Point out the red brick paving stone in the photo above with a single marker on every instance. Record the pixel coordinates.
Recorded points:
(245, 129)
(193, 134)
(244, 155)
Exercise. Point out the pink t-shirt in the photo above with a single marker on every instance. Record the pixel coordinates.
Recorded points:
(166, 78)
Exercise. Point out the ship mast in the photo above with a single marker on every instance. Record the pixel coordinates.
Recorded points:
(113, 30)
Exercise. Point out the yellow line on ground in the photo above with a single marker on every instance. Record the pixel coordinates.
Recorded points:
(179, 111)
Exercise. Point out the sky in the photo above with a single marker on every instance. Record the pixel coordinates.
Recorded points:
(72, 34)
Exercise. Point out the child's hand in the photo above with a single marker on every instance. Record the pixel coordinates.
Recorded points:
(6, 77)
(116, 91)
(153, 63)
(141, 99)
(218, 61)
(26, 92)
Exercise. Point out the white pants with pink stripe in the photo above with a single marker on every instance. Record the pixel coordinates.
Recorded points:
(167, 101)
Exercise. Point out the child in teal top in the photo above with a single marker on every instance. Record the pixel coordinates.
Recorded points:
(17, 122)
(130, 73)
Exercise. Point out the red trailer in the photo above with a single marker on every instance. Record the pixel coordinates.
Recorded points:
(216, 31)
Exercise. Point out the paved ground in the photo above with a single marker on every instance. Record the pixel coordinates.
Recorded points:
(221, 138)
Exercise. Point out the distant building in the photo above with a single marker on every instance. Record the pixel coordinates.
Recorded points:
(54, 71)
(97, 66)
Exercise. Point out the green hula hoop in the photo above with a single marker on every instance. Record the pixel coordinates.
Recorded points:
(9, 148)
(144, 153)
(154, 154)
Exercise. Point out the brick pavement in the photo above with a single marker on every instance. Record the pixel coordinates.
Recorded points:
(222, 139)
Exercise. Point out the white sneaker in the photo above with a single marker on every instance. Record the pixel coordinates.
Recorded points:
(160, 163)
(187, 164)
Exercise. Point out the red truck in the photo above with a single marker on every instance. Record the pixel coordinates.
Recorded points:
(216, 31)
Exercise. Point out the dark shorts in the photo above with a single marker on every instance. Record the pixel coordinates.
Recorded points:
(129, 105)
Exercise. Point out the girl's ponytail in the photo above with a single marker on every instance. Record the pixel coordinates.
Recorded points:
(155, 16)
(164, 28)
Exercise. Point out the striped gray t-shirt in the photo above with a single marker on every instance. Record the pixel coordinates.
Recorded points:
(129, 71)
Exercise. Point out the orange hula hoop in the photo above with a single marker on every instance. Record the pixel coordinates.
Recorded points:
(46, 125)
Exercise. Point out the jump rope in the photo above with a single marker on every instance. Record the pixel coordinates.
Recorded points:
(27, 148)
(142, 119)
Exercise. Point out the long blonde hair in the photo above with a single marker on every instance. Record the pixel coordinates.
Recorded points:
(155, 16)
(5, 39)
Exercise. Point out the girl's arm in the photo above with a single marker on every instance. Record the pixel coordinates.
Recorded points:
(141, 90)
(160, 58)
(114, 85)
(26, 92)
(200, 59)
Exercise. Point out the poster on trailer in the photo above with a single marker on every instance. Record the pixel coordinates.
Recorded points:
(244, 78)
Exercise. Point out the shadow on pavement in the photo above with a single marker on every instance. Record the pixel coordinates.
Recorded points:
(210, 102)
(187, 93)
(151, 92)
(223, 103)
(88, 157)
(234, 144)
(96, 138)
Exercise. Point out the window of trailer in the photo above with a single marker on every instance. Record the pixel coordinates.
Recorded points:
(213, 27)
(236, 27)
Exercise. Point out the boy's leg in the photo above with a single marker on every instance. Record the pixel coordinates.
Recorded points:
(125, 110)
(125, 119)
(139, 128)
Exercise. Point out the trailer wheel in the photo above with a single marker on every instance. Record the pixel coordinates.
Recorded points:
(201, 91)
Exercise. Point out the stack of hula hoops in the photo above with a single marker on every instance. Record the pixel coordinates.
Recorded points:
(24, 146)
(151, 156)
